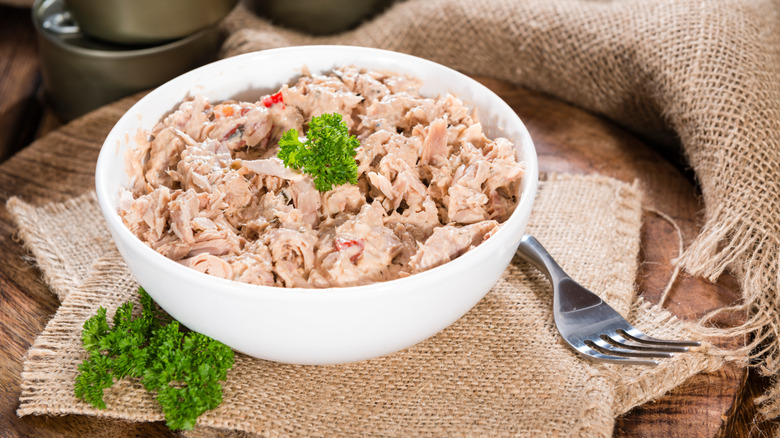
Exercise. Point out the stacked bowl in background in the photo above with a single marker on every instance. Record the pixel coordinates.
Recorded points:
(97, 51)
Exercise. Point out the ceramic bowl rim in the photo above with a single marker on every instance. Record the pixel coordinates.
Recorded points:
(246, 290)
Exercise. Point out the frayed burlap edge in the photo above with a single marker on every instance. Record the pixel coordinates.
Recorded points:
(754, 257)
(634, 385)
(57, 252)
(705, 72)
(627, 199)
(47, 348)
(53, 393)
(648, 383)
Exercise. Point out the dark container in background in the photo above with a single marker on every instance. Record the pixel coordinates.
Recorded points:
(319, 17)
(82, 73)
(146, 21)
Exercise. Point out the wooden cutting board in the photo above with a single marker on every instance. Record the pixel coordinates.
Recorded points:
(61, 165)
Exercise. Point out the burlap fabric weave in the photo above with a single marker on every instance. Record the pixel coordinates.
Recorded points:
(500, 370)
(701, 73)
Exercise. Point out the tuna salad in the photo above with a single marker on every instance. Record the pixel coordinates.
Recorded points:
(208, 190)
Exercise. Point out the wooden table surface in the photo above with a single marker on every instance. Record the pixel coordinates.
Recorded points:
(60, 164)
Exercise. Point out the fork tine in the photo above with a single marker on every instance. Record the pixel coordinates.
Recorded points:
(604, 347)
(587, 351)
(622, 342)
(582, 318)
(635, 335)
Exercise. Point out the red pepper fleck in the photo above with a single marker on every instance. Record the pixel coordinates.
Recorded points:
(342, 243)
(272, 99)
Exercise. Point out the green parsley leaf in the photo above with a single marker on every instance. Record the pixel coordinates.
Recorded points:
(328, 154)
(183, 369)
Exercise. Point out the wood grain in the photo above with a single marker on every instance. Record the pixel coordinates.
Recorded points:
(56, 167)
(20, 80)
(61, 164)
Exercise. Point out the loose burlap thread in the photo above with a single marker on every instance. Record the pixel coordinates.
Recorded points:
(705, 74)
(501, 369)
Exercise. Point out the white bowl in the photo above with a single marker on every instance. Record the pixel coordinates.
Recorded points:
(315, 326)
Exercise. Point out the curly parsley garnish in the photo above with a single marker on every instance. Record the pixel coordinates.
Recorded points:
(328, 154)
(182, 369)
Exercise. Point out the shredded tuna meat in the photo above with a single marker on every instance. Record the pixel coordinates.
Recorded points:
(208, 191)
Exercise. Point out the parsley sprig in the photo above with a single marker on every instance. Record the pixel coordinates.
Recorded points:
(184, 370)
(328, 154)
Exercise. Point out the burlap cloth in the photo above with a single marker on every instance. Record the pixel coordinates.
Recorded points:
(703, 74)
(500, 370)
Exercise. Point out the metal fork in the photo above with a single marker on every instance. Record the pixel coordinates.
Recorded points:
(590, 325)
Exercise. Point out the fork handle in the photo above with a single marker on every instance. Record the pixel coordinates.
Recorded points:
(532, 251)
